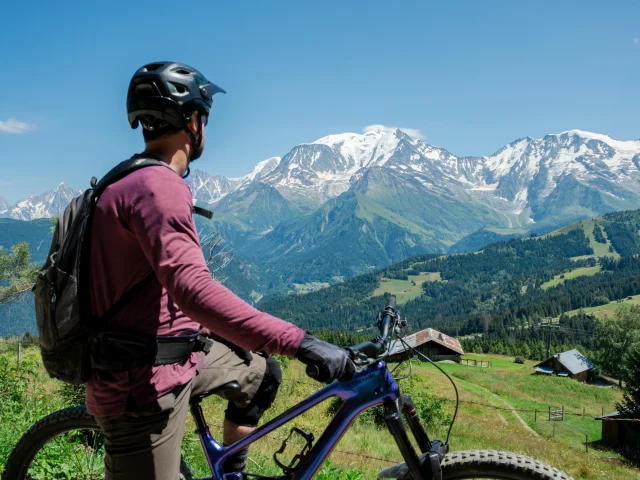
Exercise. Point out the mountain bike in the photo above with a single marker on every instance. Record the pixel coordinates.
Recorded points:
(372, 385)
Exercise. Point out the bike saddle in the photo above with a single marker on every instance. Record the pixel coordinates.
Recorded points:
(230, 391)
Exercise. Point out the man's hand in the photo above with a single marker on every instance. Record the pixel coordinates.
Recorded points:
(332, 362)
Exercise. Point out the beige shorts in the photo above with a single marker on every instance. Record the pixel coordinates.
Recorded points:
(145, 444)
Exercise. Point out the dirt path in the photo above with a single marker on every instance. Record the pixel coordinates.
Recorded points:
(515, 414)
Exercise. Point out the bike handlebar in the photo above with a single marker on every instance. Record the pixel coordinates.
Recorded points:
(373, 348)
(391, 302)
(313, 371)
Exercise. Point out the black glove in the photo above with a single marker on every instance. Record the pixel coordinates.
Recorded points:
(332, 362)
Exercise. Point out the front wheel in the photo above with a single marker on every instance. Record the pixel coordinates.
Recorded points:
(66, 444)
(486, 464)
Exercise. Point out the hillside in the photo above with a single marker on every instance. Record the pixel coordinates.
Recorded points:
(36, 233)
(507, 284)
(497, 411)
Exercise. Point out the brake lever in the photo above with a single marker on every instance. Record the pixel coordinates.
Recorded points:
(359, 359)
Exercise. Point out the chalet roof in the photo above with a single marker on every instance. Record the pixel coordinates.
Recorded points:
(572, 360)
(615, 414)
(428, 335)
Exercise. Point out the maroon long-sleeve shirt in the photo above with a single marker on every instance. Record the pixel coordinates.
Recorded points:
(143, 223)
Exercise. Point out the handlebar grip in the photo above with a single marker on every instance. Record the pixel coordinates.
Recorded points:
(391, 302)
(313, 371)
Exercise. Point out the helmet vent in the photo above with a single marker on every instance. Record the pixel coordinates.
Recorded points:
(182, 71)
(152, 67)
(146, 90)
(179, 89)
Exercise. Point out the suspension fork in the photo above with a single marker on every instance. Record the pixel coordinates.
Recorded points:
(408, 409)
(393, 419)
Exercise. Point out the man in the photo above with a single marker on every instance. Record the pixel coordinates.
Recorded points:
(143, 228)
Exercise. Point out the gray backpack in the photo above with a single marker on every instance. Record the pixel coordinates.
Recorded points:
(73, 343)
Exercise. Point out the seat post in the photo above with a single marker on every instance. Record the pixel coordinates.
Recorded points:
(198, 417)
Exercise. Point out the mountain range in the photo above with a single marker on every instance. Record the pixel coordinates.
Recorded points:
(348, 203)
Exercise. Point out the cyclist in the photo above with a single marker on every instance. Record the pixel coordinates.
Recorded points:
(143, 224)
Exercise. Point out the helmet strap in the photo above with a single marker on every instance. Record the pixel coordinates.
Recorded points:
(196, 140)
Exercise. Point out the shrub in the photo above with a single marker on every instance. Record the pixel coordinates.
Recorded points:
(283, 361)
(72, 395)
(519, 359)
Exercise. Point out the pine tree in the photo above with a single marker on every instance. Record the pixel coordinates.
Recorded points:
(16, 273)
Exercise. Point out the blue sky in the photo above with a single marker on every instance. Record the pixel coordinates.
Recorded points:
(470, 76)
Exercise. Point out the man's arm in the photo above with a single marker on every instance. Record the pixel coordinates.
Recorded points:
(162, 221)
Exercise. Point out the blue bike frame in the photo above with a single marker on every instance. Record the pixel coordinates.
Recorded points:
(371, 387)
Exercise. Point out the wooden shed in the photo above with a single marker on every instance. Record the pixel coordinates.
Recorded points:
(616, 431)
(570, 364)
(429, 342)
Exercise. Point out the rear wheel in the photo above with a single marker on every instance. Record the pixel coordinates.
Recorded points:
(67, 444)
(485, 464)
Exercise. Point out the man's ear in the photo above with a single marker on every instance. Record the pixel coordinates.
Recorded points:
(193, 123)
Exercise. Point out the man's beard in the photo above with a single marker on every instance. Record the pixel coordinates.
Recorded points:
(196, 153)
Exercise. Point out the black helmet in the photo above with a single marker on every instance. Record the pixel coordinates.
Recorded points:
(167, 93)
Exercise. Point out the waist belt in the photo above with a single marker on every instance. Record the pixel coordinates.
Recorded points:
(123, 351)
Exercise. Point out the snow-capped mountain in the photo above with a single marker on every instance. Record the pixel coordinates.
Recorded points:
(4, 205)
(261, 170)
(208, 189)
(524, 182)
(573, 170)
(46, 205)
(349, 202)
(315, 172)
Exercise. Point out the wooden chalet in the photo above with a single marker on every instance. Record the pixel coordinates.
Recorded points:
(429, 342)
(570, 364)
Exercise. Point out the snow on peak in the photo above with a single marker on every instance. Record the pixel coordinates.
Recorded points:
(626, 145)
(261, 169)
(373, 147)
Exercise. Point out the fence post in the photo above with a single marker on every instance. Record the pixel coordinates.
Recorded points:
(19, 352)
(586, 443)
(535, 418)
(582, 412)
(562, 418)
(549, 413)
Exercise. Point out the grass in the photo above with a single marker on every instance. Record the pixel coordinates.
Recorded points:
(497, 361)
(309, 287)
(608, 310)
(406, 290)
(599, 249)
(576, 272)
(505, 385)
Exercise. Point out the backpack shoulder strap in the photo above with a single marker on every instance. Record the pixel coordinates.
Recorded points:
(125, 168)
(136, 163)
